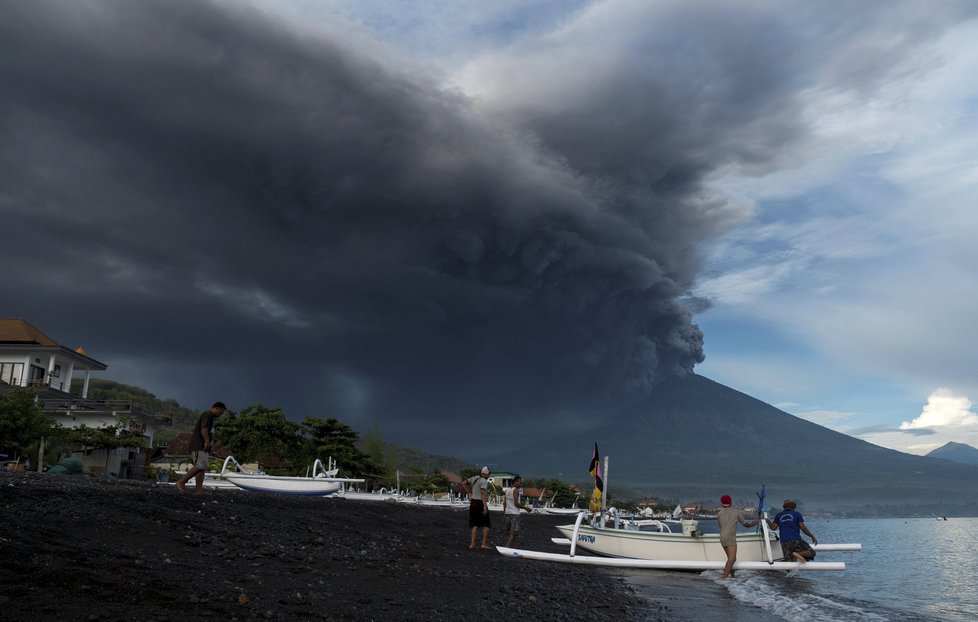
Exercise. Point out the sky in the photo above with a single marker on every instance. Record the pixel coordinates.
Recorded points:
(522, 214)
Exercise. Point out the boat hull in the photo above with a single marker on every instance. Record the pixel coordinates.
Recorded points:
(286, 485)
(652, 545)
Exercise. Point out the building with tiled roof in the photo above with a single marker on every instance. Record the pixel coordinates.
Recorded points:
(29, 358)
(61, 376)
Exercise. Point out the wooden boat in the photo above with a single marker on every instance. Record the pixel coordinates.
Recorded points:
(688, 549)
(689, 545)
(319, 486)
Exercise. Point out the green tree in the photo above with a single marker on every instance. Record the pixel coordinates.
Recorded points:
(21, 421)
(565, 495)
(330, 438)
(436, 482)
(260, 433)
(379, 454)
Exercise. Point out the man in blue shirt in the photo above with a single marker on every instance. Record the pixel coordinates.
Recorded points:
(790, 524)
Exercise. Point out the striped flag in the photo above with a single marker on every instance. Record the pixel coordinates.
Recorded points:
(595, 471)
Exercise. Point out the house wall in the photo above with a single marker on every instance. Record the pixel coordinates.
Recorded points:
(58, 369)
(120, 462)
(70, 370)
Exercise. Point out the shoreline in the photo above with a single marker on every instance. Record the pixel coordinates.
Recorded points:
(96, 549)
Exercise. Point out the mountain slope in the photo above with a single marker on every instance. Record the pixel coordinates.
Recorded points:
(696, 439)
(956, 452)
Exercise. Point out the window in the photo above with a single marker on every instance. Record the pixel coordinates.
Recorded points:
(57, 371)
(11, 373)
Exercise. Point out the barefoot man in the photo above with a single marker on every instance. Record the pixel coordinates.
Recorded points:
(790, 523)
(727, 518)
(478, 488)
(201, 441)
(511, 510)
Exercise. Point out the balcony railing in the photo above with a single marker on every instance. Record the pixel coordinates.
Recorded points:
(54, 399)
(53, 384)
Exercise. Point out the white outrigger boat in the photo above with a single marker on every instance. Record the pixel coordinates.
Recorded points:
(321, 483)
(689, 549)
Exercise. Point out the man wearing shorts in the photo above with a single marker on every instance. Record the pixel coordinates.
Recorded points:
(201, 442)
(511, 510)
(790, 524)
(478, 489)
(727, 519)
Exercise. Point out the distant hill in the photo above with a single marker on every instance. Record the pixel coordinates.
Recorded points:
(956, 452)
(409, 459)
(695, 439)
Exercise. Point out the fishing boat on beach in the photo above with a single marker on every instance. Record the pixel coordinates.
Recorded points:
(689, 545)
(613, 544)
(320, 483)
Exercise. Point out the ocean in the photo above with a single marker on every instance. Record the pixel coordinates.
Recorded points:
(909, 569)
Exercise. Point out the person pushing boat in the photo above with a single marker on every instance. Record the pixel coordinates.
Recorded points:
(790, 523)
(727, 518)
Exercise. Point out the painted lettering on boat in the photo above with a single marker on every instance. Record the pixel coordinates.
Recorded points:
(583, 537)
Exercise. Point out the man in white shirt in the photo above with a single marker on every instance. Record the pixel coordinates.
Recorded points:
(511, 510)
(478, 489)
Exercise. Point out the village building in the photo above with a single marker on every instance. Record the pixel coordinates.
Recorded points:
(61, 376)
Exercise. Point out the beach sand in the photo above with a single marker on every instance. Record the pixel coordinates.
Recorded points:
(82, 548)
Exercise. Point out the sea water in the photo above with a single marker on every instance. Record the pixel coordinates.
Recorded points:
(909, 569)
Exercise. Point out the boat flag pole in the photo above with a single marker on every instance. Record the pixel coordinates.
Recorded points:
(762, 521)
(604, 487)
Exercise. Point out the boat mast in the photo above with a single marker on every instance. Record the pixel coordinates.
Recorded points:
(604, 491)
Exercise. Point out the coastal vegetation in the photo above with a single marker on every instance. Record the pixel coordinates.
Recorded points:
(23, 426)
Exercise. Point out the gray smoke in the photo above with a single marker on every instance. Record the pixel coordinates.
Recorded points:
(257, 215)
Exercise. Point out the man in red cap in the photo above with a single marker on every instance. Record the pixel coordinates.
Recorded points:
(728, 517)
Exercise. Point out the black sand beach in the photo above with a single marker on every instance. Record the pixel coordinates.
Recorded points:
(79, 548)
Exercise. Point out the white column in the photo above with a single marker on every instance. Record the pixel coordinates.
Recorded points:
(50, 378)
(88, 376)
(68, 376)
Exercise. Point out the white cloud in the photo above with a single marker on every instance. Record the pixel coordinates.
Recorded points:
(944, 409)
(947, 416)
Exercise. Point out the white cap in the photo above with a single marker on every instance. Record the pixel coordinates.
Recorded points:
(485, 470)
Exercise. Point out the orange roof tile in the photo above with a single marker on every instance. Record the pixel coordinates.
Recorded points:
(15, 330)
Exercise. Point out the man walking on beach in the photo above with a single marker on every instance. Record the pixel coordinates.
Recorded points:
(201, 442)
(790, 523)
(511, 510)
(728, 517)
(478, 489)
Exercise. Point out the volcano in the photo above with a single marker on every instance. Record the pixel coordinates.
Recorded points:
(695, 439)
